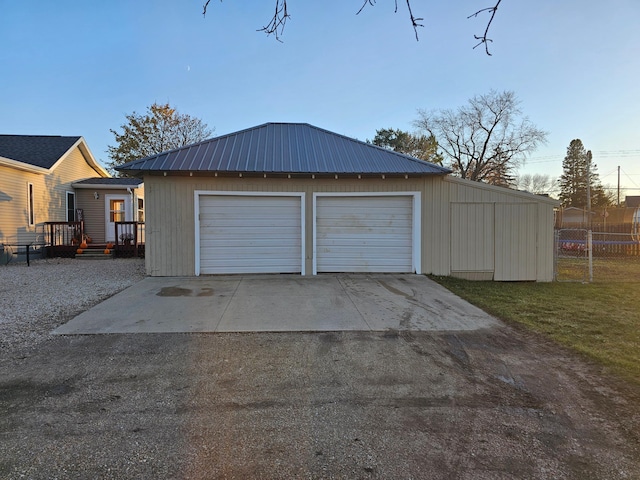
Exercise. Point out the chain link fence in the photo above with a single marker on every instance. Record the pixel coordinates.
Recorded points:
(585, 256)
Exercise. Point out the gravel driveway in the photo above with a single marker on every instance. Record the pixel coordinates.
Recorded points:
(34, 300)
(490, 404)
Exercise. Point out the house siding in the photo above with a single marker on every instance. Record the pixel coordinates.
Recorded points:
(94, 210)
(170, 218)
(49, 197)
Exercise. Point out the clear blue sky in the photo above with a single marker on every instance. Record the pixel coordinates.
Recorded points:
(78, 67)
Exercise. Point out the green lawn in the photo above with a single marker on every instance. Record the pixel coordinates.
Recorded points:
(599, 320)
(614, 269)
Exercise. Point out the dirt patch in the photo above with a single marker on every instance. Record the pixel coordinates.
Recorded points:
(497, 403)
(175, 291)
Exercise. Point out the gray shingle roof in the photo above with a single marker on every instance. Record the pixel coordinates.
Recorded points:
(284, 148)
(119, 181)
(37, 150)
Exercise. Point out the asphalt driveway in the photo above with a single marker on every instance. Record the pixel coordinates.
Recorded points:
(475, 403)
(281, 303)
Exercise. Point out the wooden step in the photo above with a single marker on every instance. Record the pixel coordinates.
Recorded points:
(94, 254)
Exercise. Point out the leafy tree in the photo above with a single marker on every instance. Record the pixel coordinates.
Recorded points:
(578, 172)
(418, 146)
(485, 140)
(162, 128)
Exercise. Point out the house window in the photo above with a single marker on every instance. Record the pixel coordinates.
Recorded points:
(30, 203)
(71, 207)
(141, 209)
(116, 211)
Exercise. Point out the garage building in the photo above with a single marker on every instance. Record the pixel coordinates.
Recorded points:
(294, 198)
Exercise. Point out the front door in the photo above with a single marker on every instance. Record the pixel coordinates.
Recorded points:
(118, 209)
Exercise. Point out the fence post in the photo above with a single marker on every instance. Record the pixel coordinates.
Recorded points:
(556, 253)
(590, 253)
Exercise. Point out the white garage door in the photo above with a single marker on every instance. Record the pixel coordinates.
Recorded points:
(364, 234)
(250, 234)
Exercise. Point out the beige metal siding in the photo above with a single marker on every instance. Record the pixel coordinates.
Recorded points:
(545, 246)
(440, 193)
(170, 222)
(472, 238)
(516, 239)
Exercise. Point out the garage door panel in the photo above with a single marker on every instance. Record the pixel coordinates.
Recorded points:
(364, 234)
(250, 234)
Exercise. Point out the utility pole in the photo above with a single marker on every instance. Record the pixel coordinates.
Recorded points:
(618, 185)
(589, 232)
(589, 157)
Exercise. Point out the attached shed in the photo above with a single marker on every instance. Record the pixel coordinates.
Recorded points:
(294, 198)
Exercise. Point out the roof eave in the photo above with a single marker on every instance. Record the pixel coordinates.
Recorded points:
(138, 173)
(8, 162)
(107, 186)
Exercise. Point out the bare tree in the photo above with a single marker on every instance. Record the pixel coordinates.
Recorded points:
(281, 16)
(485, 140)
(537, 183)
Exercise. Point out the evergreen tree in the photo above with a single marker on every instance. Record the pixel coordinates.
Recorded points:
(574, 181)
(418, 146)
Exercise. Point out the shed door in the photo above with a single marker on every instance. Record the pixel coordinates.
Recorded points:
(516, 241)
(250, 234)
(472, 239)
(364, 234)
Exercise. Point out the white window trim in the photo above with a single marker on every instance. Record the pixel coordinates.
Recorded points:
(416, 218)
(138, 209)
(31, 204)
(66, 203)
(198, 193)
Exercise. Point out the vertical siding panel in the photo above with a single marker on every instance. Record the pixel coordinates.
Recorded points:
(472, 239)
(516, 253)
(544, 243)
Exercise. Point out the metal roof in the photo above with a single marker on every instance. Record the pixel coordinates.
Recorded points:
(38, 150)
(295, 148)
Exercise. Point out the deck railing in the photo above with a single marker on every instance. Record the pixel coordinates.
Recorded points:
(63, 238)
(63, 233)
(129, 238)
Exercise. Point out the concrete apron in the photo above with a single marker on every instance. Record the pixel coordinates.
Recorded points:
(280, 303)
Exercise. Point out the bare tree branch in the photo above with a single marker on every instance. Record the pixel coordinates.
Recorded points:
(281, 15)
(483, 38)
(485, 140)
(371, 2)
(414, 20)
(278, 20)
(204, 8)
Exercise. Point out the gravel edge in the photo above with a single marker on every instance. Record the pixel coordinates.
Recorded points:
(36, 299)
